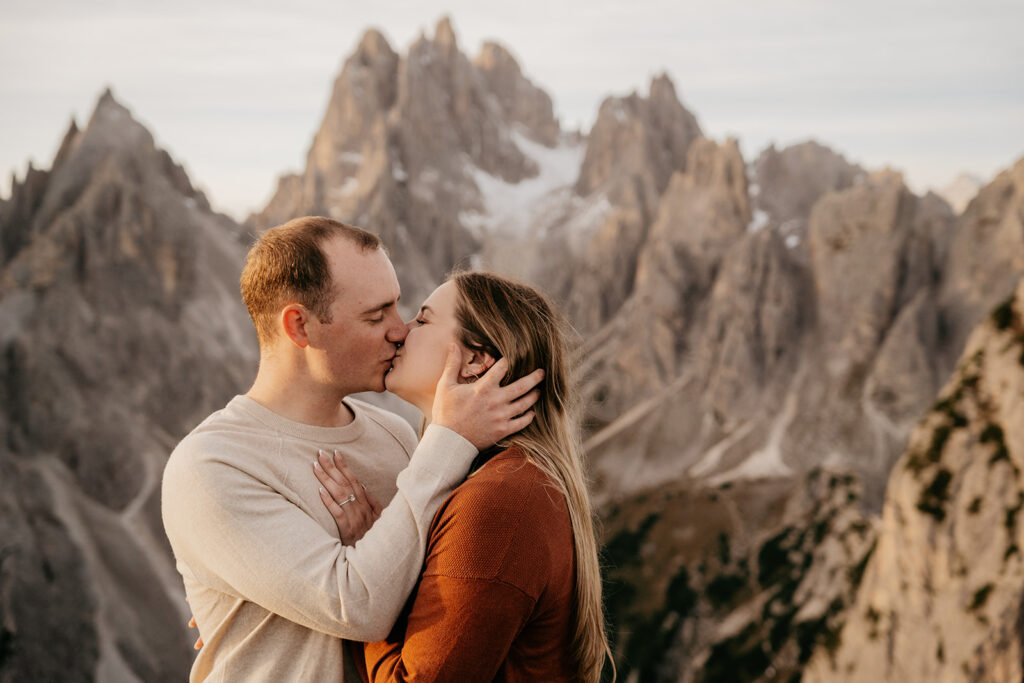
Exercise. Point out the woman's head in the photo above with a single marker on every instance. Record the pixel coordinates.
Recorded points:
(490, 317)
(499, 318)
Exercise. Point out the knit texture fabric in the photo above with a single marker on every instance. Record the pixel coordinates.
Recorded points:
(496, 596)
(272, 588)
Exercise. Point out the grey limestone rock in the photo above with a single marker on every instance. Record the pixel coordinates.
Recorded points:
(123, 328)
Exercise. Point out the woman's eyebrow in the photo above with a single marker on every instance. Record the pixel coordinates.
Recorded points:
(424, 308)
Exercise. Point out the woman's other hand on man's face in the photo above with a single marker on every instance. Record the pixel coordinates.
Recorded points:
(353, 508)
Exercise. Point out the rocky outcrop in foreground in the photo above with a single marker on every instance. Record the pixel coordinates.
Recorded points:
(738, 582)
(943, 595)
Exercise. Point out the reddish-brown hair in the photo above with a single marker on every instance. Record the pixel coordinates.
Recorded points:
(287, 264)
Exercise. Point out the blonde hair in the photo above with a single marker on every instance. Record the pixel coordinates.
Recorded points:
(511, 320)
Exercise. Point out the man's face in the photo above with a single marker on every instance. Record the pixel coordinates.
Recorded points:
(354, 351)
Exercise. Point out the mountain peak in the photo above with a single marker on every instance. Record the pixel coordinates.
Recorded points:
(113, 122)
(373, 43)
(636, 135)
(67, 143)
(107, 96)
(496, 56)
(662, 87)
(444, 34)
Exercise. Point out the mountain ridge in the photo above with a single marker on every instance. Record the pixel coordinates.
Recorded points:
(767, 331)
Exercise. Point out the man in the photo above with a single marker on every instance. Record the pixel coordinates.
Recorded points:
(271, 586)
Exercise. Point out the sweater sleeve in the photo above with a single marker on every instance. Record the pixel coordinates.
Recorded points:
(235, 533)
(459, 629)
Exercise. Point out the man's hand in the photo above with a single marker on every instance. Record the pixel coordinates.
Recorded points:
(484, 412)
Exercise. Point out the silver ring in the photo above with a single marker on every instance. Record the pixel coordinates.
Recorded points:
(348, 500)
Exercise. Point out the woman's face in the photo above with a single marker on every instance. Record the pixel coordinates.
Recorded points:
(418, 364)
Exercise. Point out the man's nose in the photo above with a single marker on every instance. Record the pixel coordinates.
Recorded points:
(397, 331)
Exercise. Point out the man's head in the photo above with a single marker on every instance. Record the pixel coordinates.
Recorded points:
(326, 291)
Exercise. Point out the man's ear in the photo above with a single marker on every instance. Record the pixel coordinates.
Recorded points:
(293, 320)
(475, 362)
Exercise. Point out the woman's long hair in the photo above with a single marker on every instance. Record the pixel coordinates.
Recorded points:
(514, 321)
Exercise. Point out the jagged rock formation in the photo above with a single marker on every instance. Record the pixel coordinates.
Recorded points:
(406, 143)
(786, 355)
(942, 595)
(789, 182)
(634, 148)
(985, 257)
(751, 346)
(122, 330)
(637, 143)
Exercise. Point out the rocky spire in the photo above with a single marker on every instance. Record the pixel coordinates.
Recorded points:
(523, 103)
(787, 183)
(444, 36)
(636, 136)
(404, 141)
(67, 144)
(122, 329)
(985, 257)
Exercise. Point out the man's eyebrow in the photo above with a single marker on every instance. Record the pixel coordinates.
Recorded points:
(380, 307)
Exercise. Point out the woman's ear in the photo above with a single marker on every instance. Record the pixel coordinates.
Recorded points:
(474, 364)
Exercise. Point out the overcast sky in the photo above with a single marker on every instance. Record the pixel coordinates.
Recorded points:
(235, 90)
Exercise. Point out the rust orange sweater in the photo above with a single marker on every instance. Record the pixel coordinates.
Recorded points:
(495, 599)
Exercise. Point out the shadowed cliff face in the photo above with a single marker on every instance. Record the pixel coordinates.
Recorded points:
(121, 330)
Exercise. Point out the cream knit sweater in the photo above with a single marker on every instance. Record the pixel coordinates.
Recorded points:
(272, 588)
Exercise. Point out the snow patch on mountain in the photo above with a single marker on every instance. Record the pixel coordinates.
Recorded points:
(512, 207)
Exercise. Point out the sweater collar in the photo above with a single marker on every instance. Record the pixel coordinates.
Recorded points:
(349, 432)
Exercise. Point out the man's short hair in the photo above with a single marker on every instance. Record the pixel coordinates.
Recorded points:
(287, 265)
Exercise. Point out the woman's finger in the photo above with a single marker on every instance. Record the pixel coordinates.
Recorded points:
(327, 463)
(357, 489)
(496, 372)
(338, 492)
(342, 518)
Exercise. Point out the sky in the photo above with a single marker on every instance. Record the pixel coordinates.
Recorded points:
(235, 90)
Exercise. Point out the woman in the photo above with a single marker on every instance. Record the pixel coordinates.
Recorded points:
(511, 588)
